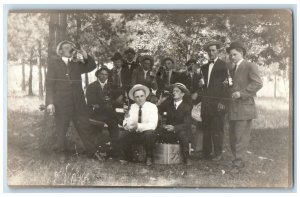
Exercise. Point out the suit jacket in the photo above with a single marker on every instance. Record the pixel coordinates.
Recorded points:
(180, 118)
(247, 81)
(162, 78)
(63, 86)
(126, 75)
(95, 95)
(138, 77)
(192, 83)
(215, 92)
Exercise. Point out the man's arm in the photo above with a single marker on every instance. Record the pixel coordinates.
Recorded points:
(255, 84)
(88, 65)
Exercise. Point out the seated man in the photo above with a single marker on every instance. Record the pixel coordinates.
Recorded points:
(139, 124)
(176, 120)
(101, 104)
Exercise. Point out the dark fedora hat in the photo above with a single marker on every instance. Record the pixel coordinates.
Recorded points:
(191, 61)
(117, 56)
(147, 57)
(129, 50)
(211, 43)
(99, 70)
(236, 45)
(167, 58)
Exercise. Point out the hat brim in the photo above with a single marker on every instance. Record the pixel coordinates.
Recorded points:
(185, 90)
(61, 43)
(235, 47)
(205, 47)
(140, 87)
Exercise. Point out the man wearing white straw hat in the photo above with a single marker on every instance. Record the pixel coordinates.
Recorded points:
(139, 124)
(65, 97)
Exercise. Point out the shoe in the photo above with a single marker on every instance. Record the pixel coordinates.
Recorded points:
(98, 156)
(218, 158)
(238, 163)
(149, 161)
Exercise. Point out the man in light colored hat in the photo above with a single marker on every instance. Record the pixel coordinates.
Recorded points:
(246, 83)
(65, 97)
(214, 99)
(177, 112)
(139, 124)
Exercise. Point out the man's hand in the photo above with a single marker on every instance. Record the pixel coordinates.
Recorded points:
(51, 109)
(221, 107)
(132, 127)
(169, 127)
(194, 96)
(82, 52)
(236, 95)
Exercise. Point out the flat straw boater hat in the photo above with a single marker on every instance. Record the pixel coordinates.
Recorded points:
(181, 86)
(138, 87)
(58, 48)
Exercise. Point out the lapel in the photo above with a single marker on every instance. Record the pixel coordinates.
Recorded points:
(239, 70)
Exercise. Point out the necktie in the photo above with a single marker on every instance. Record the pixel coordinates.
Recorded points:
(140, 115)
(175, 106)
(68, 69)
(234, 69)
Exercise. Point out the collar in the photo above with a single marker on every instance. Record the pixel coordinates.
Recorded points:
(214, 60)
(129, 62)
(102, 84)
(239, 62)
(178, 103)
(66, 59)
(145, 71)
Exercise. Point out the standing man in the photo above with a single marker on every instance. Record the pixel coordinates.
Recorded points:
(246, 83)
(139, 124)
(128, 67)
(117, 60)
(65, 97)
(102, 104)
(213, 102)
(141, 75)
(178, 120)
(166, 75)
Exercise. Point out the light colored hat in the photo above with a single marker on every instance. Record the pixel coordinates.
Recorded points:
(138, 87)
(58, 48)
(181, 86)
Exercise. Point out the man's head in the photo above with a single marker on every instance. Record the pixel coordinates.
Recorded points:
(102, 74)
(191, 65)
(178, 91)
(139, 96)
(65, 49)
(129, 54)
(212, 48)
(168, 63)
(236, 52)
(147, 62)
(117, 60)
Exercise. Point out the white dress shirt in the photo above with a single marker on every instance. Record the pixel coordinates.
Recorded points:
(149, 117)
(66, 59)
(102, 84)
(211, 65)
(145, 73)
(177, 103)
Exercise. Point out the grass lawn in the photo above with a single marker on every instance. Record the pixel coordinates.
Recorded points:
(268, 164)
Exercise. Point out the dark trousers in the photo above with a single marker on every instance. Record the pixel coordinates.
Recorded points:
(108, 116)
(239, 136)
(173, 138)
(77, 113)
(213, 134)
(146, 138)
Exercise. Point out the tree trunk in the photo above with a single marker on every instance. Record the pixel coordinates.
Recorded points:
(23, 75)
(41, 93)
(30, 92)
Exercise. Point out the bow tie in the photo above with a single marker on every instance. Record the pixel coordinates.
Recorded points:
(211, 61)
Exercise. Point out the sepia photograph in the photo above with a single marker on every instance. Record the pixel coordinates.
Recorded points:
(150, 98)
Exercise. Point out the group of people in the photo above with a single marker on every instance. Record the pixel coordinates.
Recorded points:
(143, 105)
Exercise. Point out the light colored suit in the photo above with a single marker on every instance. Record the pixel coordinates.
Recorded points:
(247, 81)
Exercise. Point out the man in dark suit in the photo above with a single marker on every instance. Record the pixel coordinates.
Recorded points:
(177, 113)
(246, 83)
(213, 99)
(127, 69)
(101, 104)
(166, 74)
(141, 75)
(65, 96)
